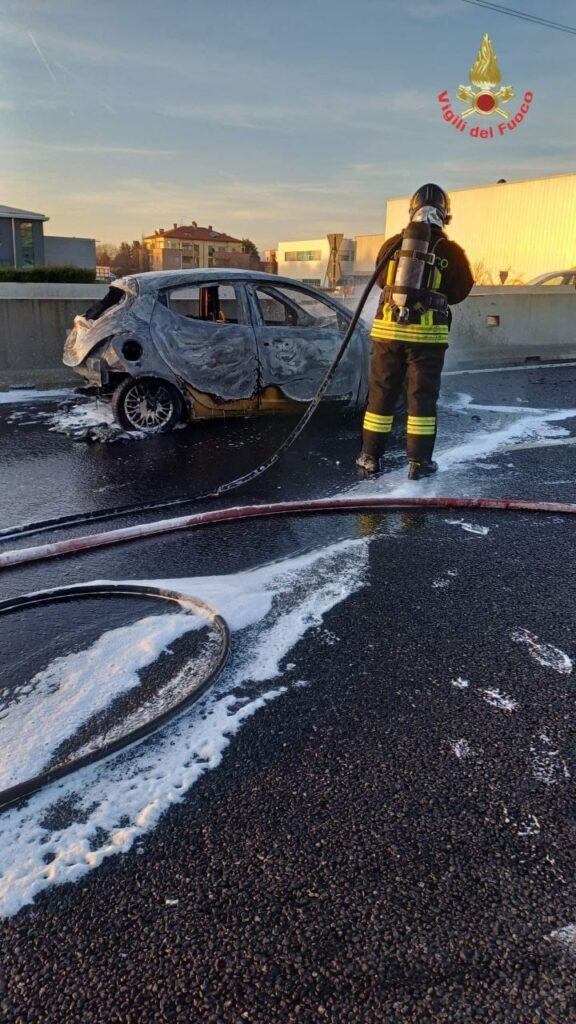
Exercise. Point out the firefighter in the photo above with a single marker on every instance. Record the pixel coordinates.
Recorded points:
(410, 331)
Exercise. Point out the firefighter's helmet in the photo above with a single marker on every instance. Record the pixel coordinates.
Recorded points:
(431, 195)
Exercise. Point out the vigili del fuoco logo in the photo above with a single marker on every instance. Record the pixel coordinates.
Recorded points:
(487, 97)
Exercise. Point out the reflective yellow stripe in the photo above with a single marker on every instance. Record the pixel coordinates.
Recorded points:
(377, 424)
(392, 332)
(376, 418)
(427, 327)
(384, 328)
(376, 430)
(421, 425)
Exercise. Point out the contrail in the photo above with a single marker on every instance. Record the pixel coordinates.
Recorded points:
(81, 87)
(42, 57)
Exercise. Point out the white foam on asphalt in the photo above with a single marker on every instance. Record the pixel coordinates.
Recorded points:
(112, 803)
(36, 718)
(31, 395)
(550, 442)
(499, 700)
(462, 750)
(530, 827)
(81, 417)
(91, 415)
(548, 766)
(460, 684)
(441, 583)
(545, 654)
(83, 414)
(508, 369)
(481, 531)
(463, 402)
(565, 937)
(511, 425)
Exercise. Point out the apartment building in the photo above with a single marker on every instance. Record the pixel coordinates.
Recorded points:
(187, 247)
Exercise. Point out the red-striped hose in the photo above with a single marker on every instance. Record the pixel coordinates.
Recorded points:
(226, 515)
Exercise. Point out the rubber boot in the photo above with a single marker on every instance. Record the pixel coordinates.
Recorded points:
(417, 470)
(368, 465)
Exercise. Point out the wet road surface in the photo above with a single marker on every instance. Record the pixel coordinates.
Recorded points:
(388, 831)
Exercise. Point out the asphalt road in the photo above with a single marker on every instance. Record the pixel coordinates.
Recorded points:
(392, 836)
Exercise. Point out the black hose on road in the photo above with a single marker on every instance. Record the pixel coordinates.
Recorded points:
(192, 605)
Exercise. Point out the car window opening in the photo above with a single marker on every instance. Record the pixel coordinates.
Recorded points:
(216, 304)
(112, 298)
(287, 306)
(278, 310)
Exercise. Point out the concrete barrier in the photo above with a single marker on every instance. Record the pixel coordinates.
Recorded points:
(500, 326)
(34, 321)
(494, 327)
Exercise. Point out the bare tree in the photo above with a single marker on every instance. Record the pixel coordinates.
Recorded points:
(481, 274)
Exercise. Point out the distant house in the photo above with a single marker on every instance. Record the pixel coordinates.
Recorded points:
(23, 243)
(187, 247)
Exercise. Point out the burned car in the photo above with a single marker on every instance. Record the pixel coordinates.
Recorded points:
(186, 345)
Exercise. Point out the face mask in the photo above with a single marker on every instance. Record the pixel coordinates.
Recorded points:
(429, 215)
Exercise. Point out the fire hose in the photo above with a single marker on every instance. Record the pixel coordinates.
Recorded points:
(76, 545)
(28, 529)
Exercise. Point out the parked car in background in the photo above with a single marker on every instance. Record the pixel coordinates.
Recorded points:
(201, 344)
(557, 277)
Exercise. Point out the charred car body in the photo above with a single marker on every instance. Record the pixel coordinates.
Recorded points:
(201, 344)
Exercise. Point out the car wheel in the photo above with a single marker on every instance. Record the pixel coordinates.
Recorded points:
(147, 403)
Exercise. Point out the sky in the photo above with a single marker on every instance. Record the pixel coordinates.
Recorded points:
(268, 120)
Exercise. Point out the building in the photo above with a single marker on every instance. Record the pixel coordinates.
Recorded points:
(307, 260)
(21, 238)
(23, 243)
(61, 251)
(184, 248)
(270, 263)
(512, 231)
(367, 248)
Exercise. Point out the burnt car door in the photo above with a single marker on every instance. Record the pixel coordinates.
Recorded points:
(203, 332)
(298, 334)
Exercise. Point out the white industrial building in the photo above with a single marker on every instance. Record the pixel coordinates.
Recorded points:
(307, 260)
(512, 231)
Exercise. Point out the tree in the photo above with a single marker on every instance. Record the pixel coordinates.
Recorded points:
(481, 273)
(105, 254)
(250, 247)
(140, 257)
(131, 258)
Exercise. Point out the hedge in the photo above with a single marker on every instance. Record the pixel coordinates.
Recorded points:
(78, 275)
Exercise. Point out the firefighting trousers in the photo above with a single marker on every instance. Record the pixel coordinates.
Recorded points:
(392, 363)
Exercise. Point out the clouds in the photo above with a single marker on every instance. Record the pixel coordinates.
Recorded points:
(265, 120)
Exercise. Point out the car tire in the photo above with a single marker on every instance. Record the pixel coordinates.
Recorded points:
(149, 404)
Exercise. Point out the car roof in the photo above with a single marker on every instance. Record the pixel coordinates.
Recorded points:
(553, 273)
(156, 280)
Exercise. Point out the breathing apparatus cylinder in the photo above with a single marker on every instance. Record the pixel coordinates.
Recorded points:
(406, 290)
